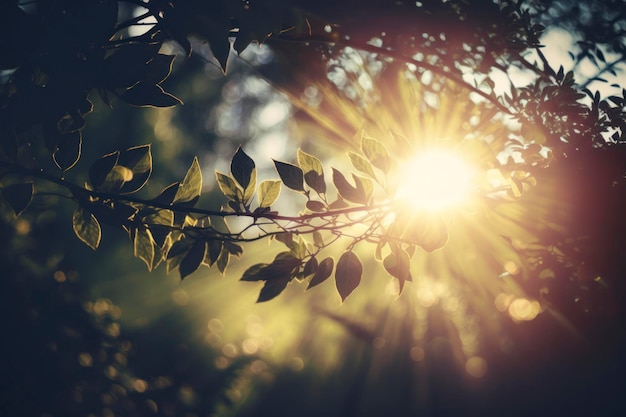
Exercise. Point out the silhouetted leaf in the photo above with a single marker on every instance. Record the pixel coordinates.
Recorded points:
(68, 150)
(168, 194)
(149, 95)
(316, 206)
(310, 267)
(376, 153)
(222, 261)
(347, 190)
(159, 68)
(191, 187)
(143, 246)
(291, 175)
(324, 270)
(18, 196)
(241, 168)
(86, 227)
(99, 170)
(253, 273)
(214, 249)
(398, 264)
(192, 260)
(269, 190)
(348, 274)
(272, 288)
(315, 181)
(233, 248)
(139, 160)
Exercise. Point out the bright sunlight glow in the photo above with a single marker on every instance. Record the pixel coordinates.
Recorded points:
(436, 179)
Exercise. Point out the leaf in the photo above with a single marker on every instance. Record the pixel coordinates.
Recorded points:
(249, 191)
(68, 150)
(222, 261)
(228, 186)
(316, 206)
(348, 274)
(346, 190)
(138, 160)
(253, 273)
(191, 187)
(192, 260)
(283, 265)
(324, 270)
(242, 167)
(398, 265)
(99, 170)
(168, 194)
(361, 164)
(86, 227)
(315, 181)
(376, 153)
(271, 289)
(318, 240)
(18, 196)
(269, 190)
(233, 248)
(159, 68)
(149, 95)
(309, 163)
(310, 267)
(214, 249)
(143, 245)
(291, 175)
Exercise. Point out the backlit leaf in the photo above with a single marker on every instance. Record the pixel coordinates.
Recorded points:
(376, 153)
(348, 274)
(68, 150)
(86, 227)
(143, 246)
(316, 206)
(272, 288)
(138, 160)
(398, 264)
(428, 231)
(99, 170)
(213, 252)
(191, 187)
(269, 190)
(292, 176)
(149, 95)
(347, 190)
(315, 181)
(309, 163)
(361, 164)
(228, 186)
(310, 267)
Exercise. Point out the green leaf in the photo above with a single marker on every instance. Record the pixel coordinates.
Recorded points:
(242, 167)
(138, 160)
(362, 164)
(318, 240)
(18, 196)
(149, 95)
(68, 150)
(292, 176)
(309, 163)
(269, 190)
(324, 270)
(229, 187)
(376, 153)
(143, 246)
(192, 260)
(99, 170)
(191, 187)
(348, 274)
(86, 227)
(364, 186)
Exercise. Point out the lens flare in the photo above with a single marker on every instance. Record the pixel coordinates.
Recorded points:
(436, 179)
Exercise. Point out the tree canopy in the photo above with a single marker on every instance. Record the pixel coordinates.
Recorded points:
(529, 94)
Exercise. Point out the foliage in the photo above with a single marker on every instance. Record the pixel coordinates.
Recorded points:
(71, 50)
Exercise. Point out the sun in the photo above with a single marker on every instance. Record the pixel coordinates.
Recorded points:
(436, 179)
